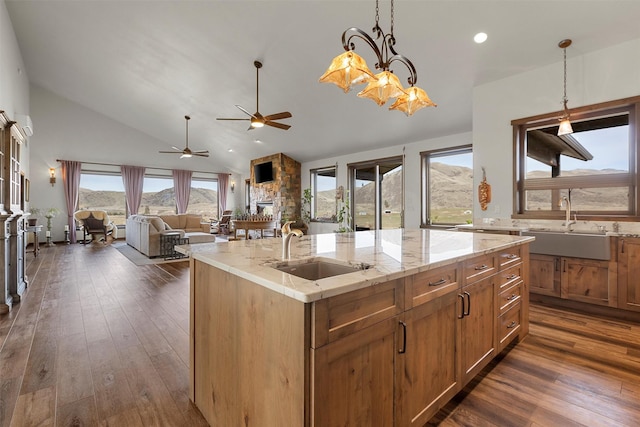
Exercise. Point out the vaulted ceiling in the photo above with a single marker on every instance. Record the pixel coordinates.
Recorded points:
(148, 63)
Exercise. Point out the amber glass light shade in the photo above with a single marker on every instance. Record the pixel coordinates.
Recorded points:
(386, 85)
(414, 99)
(347, 70)
(565, 126)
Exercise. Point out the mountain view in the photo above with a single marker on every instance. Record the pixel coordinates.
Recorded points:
(201, 201)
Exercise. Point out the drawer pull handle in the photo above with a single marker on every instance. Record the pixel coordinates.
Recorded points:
(512, 297)
(439, 282)
(512, 325)
(468, 296)
(482, 267)
(512, 276)
(404, 338)
(512, 256)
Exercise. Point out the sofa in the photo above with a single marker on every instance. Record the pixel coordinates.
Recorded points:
(144, 231)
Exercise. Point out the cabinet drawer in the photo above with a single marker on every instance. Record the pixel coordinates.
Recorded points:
(424, 287)
(478, 268)
(509, 325)
(336, 317)
(510, 296)
(510, 256)
(508, 276)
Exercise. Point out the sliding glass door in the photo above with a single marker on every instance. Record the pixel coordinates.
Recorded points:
(377, 194)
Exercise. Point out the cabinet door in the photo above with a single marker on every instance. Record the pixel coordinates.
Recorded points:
(354, 377)
(588, 281)
(478, 327)
(430, 378)
(629, 274)
(544, 275)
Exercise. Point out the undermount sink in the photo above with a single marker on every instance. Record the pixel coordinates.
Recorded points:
(318, 268)
(572, 244)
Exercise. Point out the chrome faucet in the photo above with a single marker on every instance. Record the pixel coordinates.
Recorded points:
(287, 234)
(567, 205)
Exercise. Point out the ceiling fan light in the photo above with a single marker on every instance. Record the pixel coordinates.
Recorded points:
(347, 70)
(186, 156)
(386, 85)
(413, 100)
(255, 123)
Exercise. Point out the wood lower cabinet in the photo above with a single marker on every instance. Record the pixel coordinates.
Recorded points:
(477, 326)
(577, 279)
(391, 354)
(431, 376)
(545, 274)
(354, 378)
(629, 273)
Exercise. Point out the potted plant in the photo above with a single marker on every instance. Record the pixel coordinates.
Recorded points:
(49, 214)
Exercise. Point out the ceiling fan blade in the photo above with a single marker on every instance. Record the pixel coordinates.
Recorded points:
(278, 116)
(201, 154)
(230, 119)
(244, 111)
(176, 148)
(171, 152)
(277, 125)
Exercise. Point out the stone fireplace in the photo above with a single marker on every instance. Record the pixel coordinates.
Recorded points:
(283, 193)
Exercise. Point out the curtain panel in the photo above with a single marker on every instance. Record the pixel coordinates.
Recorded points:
(71, 172)
(133, 180)
(223, 185)
(182, 188)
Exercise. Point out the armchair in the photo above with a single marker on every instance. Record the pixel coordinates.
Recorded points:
(94, 222)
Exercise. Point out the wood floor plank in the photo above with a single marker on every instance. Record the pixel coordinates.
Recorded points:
(74, 374)
(37, 408)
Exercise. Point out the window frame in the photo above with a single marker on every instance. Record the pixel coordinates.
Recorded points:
(630, 106)
(313, 175)
(425, 159)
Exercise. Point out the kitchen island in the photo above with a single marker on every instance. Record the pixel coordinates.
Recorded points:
(387, 343)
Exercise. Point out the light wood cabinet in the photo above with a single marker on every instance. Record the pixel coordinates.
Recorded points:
(391, 354)
(545, 274)
(477, 326)
(577, 279)
(431, 373)
(629, 273)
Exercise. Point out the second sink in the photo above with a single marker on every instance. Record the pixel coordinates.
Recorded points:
(573, 244)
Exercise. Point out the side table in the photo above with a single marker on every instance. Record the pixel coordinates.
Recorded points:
(168, 242)
(35, 229)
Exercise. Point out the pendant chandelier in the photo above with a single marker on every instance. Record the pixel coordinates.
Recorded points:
(349, 69)
(565, 122)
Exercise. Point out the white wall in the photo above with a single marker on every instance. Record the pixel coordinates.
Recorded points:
(14, 83)
(605, 75)
(412, 171)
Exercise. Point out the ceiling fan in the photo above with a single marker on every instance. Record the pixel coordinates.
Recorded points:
(257, 120)
(186, 151)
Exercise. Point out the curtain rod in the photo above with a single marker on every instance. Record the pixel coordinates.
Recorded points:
(146, 167)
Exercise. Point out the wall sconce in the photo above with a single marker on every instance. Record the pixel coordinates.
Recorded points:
(233, 186)
(52, 176)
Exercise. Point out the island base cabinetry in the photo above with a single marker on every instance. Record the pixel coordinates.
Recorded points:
(629, 273)
(390, 354)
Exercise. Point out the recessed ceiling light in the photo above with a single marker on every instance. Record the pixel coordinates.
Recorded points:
(480, 38)
(257, 141)
(230, 150)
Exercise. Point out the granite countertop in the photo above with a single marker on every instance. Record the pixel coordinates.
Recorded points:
(390, 253)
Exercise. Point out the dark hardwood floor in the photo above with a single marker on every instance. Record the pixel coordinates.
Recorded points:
(98, 341)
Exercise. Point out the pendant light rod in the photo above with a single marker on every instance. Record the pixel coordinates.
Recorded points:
(388, 42)
(565, 121)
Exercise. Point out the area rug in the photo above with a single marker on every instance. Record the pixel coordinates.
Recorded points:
(140, 259)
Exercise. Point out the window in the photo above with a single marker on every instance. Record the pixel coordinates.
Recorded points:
(377, 194)
(323, 193)
(447, 182)
(594, 166)
(203, 199)
(103, 192)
